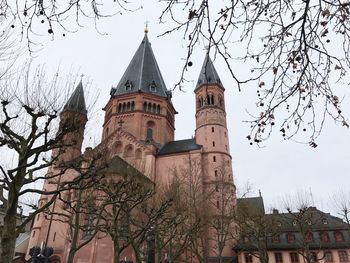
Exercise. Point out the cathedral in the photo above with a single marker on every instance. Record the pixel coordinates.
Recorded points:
(139, 128)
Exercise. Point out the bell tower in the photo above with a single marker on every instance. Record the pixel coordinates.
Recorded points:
(73, 118)
(141, 104)
(211, 133)
(211, 128)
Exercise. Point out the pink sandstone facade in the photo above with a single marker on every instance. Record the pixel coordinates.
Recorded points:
(139, 127)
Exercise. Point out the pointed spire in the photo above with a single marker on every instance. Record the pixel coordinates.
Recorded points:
(208, 73)
(142, 74)
(76, 102)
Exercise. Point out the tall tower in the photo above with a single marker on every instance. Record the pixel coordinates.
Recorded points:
(73, 117)
(211, 133)
(211, 128)
(140, 103)
(47, 230)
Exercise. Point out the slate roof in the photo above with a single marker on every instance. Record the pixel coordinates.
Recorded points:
(76, 102)
(179, 146)
(208, 73)
(142, 74)
(251, 205)
(312, 220)
(283, 224)
(318, 220)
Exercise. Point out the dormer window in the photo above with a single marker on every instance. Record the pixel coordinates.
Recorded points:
(153, 87)
(128, 85)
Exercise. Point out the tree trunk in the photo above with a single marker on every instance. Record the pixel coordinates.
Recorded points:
(76, 228)
(116, 253)
(264, 257)
(220, 256)
(9, 235)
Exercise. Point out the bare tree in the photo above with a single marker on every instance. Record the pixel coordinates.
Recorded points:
(198, 209)
(222, 223)
(304, 220)
(298, 51)
(127, 211)
(175, 228)
(9, 51)
(80, 215)
(122, 197)
(29, 131)
(254, 231)
(50, 17)
(342, 203)
(205, 219)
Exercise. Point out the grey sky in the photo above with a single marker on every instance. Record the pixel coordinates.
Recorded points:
(279, 168)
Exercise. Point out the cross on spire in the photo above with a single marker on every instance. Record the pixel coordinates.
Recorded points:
(146, 27)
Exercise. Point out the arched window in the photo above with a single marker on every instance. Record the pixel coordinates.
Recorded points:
(132, 105)
(90, 216)
(158, 109)
(138, 153)
(212, 99)
(149, 108)
(208, 100)
(124, 107)
(149, 130)
(119, 108)
(128, 151)
(145, 106)
(149, 134)
(117, 147)
(154, 108)
(128, 106)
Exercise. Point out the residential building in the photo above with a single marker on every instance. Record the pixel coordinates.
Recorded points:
(307, 235)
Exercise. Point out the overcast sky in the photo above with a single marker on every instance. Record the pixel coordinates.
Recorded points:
(279, 168)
